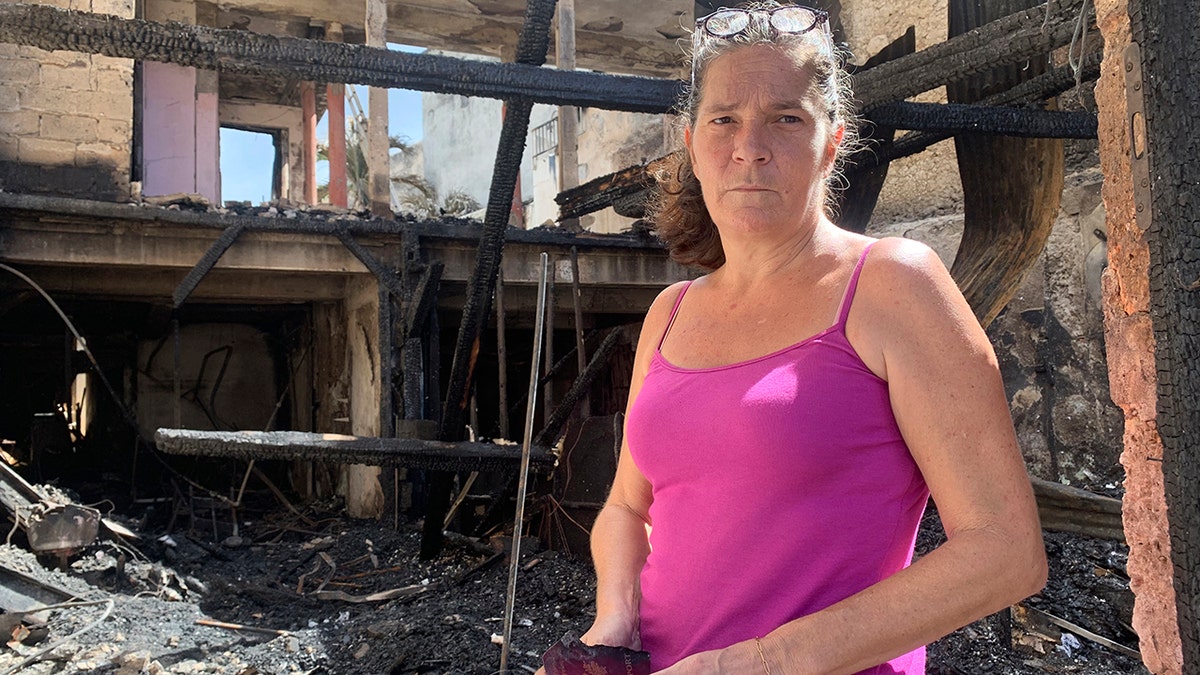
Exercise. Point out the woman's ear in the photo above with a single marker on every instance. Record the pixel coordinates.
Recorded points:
(835, 143)
(687, 142)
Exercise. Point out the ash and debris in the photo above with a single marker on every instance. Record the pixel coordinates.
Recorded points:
(449, 618)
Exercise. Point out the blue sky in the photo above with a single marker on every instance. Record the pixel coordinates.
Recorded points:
(246, 158)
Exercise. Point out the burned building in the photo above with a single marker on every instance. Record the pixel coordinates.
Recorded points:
(165, 308)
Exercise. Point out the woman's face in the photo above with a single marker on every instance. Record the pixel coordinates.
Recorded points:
(762, 144)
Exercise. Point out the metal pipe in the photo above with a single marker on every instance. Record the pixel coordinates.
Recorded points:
(523, 483)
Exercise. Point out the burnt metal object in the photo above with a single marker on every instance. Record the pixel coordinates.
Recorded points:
(21, 593)
(532, 46)
(958, 118)
(206, 263)
(387, 277)
(238, 51)
(341, 449)
(50, 526)
(1010, 40)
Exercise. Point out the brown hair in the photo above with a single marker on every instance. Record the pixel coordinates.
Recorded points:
(678, 211)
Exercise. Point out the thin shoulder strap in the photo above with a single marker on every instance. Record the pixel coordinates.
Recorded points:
(848, 298)
(674, 311)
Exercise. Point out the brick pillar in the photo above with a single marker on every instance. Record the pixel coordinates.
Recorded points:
(1129, 340)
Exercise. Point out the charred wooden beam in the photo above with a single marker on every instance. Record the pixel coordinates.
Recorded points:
(15, 207)
(1012, 187)
(1032, 91)
(549, 434)
(532, 46)
(959, 118)
(236, 51)
(387, 277)
(299, 445)
(1164, 53)
(602, 192)
(857, 202)
(1009, 40)
(1063, 508)
(206, 263)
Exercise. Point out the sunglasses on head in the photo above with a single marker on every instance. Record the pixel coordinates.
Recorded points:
(789, 19)
(730, 22)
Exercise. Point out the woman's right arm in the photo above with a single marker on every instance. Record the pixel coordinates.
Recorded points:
(620, 534)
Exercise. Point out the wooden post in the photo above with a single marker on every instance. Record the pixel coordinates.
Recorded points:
(568, 127)
(585, 404)
(379, 182)
(308, 111)
(335, 94)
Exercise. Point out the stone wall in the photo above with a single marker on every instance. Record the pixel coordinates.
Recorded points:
(66, 118)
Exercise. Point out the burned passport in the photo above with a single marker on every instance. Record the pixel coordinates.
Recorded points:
(569, 656)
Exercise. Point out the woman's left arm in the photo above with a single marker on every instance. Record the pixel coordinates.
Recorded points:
(911, 325)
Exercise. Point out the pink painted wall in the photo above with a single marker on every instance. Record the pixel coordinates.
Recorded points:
(208, 144)
(180, 133)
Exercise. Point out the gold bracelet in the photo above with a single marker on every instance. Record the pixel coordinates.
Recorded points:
(762, 657)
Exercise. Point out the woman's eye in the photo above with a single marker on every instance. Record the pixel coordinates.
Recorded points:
(722, 120)
(789, 119)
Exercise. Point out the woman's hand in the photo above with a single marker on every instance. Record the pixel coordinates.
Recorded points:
(614, 632)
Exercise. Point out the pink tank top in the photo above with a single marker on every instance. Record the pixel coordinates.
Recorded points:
(781, 486)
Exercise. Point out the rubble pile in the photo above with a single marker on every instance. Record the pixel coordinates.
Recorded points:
(318, 593)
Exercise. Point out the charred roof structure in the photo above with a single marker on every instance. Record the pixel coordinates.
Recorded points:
(316, 319)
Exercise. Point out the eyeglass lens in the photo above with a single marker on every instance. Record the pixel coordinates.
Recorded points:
(729, 22)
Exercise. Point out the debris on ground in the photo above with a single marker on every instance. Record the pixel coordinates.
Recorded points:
(346, 596)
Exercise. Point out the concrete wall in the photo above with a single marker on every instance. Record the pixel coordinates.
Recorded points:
(66, 118)
(243, 397)
(461, 137)
(926, 184)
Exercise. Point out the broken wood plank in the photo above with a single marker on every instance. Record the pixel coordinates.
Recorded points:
(1082, 632)
(293, 445)
(1063, 508)
(211, 623)
(392, 594)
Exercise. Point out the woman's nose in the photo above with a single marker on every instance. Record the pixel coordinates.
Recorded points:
(750, 145)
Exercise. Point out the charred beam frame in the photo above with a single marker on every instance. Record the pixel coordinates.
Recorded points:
(1006, 41)
(532, 46)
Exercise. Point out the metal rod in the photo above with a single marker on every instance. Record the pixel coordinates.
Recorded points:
(523, 483)
(548, 388)
(502, 353)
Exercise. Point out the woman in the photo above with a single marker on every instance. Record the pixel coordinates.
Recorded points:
(792, 410)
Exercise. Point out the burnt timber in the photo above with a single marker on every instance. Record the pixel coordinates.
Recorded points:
(298, 445)
(1007, 41)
